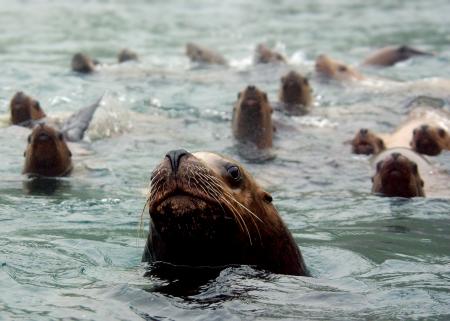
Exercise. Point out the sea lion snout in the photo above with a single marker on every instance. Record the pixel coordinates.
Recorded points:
(175, 156)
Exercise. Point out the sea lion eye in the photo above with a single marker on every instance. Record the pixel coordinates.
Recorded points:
(37, 106)
(441, 132)
(415, 169)
(342, 68)
(379, 164)
(60, 136)
(234, 173)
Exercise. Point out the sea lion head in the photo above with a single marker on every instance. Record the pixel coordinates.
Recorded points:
(24, 109)
(430, 140)
(406, 52)
(333, 69)
(47, 153)
(83, 63)
(203, 55)
(264, 55)
(127, 55)
(295, 89)
(367, 143)
(252, 117)
(207, 210)
(397, 176)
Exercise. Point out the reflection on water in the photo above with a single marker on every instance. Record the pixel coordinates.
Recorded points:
(46, 186)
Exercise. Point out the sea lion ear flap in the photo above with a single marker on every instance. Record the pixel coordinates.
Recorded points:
(239, 95)
(381, 144)
(441, 132)
(306, 81)
(266, 197)
(265, 97)
(422, 183)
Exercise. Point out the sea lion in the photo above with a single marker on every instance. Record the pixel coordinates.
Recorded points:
(202, 55)
(295, 93)
(206, 210)
(127, 55)
(27, 112)
(82, 63)
(265, 55)
(367, 143)
(329, 68)
(47, 153)
(252, 118)
(24, 109)
(397, 175)
(430, 140)
(389, 56)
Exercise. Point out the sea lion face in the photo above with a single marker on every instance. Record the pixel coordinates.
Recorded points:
(367, 143)
(24, 109)
(47, 153)
(329, 68)
(430, 140)
(264, 55)
(206, 210)
(83, 63)
(397, 176)
(295, 89)
(252, 118)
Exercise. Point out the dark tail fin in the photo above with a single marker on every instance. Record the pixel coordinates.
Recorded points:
(74, 127)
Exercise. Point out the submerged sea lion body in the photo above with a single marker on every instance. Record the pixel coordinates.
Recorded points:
(295, 94)
(207, 211)
(329, 68)
(202, 55)
(47, 153)
(265, 55)
(398, 173)
(389, 56)
(252, 118)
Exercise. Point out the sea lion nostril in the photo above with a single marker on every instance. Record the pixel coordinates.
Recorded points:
(424, 127)
(363, 131)
(251, 88)
(174, 157)
(395, 155)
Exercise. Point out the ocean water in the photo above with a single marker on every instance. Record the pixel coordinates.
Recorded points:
(72, 251)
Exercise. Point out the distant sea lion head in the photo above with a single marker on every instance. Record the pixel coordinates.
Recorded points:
(430, 140)
(127, 55)
(252, 117)
(83, 63)
(295, 89)
(397, 176)
(367, 143)
(47, 153)
(333, 69)
(23, 109)
(265, 55)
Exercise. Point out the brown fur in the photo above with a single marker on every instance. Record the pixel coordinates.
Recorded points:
(252, 118)
(333, 69)
(389, 56)
(430, 140)
(367, 143)
(397, 176)
(295, 92)
(264, 55)
(47, 153)
(23, 109)
(207, 210)
(204, 55)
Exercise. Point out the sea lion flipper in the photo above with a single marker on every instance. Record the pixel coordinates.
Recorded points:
(74, 127)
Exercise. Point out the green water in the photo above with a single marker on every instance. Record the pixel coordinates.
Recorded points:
(73, 252)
